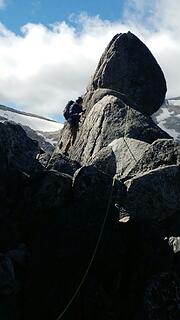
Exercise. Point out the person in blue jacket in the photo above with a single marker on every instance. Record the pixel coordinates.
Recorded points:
(75, 113)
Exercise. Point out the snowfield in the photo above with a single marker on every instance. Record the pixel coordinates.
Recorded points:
(34, 123)
(174, 102)
(168, 118)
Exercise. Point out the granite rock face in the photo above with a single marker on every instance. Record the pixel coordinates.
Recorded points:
(109, 119)
(127, 153)
(119, 157)
(62, 164)
(128, 67)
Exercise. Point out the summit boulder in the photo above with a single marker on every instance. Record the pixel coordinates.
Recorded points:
(127, 66)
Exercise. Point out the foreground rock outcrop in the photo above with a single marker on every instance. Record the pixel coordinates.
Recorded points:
(155, 194)
(16, 149)
(109, 211)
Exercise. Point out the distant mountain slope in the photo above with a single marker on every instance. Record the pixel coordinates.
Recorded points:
(45, 131)
(33, 121)
(168, 117)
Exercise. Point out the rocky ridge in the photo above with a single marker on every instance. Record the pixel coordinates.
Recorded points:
(53, 207)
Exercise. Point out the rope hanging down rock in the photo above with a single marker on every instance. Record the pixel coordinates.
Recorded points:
(93, 255)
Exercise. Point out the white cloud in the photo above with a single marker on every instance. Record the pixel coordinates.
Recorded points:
(2, 4)
(46, 66)
(166, 15)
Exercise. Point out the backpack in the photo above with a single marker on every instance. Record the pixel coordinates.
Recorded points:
(67, 109)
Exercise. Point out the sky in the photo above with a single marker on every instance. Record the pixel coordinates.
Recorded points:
(49, 49)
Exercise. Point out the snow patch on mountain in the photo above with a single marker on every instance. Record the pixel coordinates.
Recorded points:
(164, 115)
(43, 130)
(167, 117)
(52, 141)
(174, 102)
(35, 123)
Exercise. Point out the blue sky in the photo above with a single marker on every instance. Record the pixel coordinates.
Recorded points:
(19, 12)
(49, 50)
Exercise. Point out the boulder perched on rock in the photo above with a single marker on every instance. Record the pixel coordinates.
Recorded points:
(127, 87)
(128, 66)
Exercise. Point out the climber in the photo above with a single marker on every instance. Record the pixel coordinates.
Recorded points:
(73, 119)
